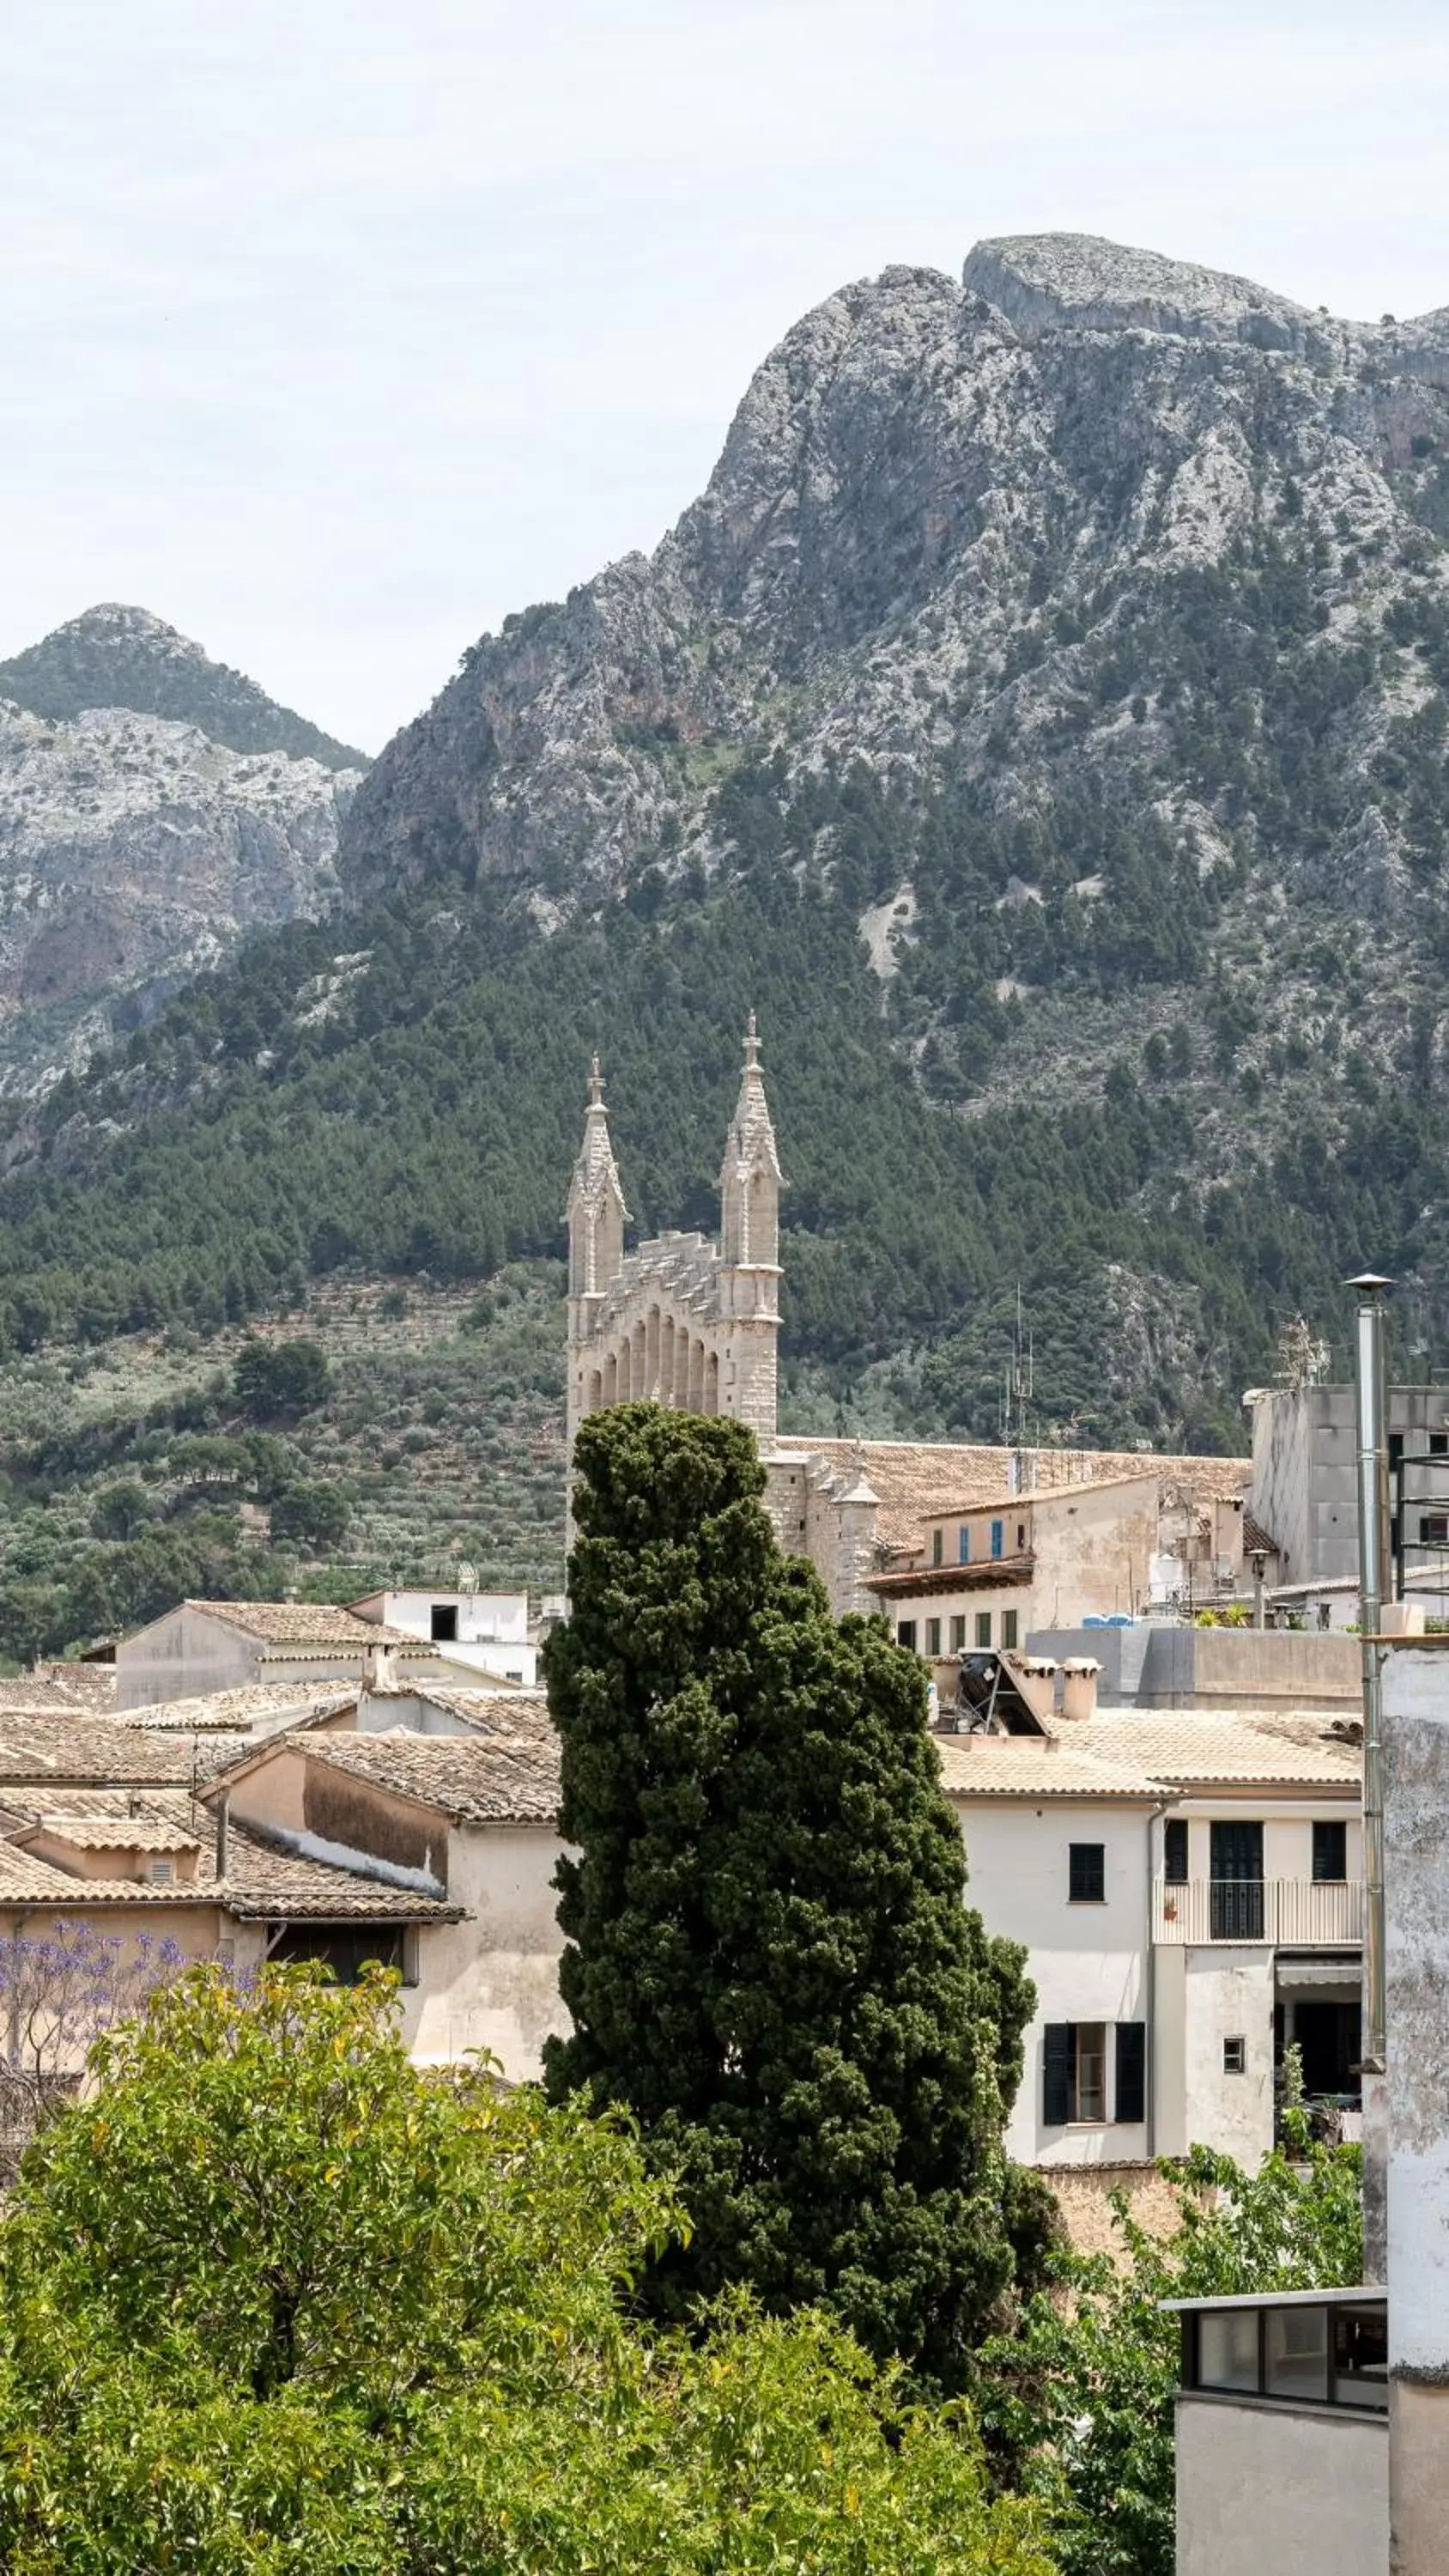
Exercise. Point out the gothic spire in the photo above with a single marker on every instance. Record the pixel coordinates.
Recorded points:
(751, 1179)
(597, 1215)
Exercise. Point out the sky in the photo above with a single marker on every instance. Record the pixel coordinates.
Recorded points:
(332, 330)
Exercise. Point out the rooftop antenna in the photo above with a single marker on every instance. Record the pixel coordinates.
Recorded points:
(1016, 1399)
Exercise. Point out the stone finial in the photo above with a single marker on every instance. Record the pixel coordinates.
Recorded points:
(596, 1081)
(752, 1044)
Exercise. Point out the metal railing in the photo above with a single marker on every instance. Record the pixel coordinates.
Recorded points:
(1283, 1913)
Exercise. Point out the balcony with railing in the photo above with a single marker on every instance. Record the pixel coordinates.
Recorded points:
(1281, 1913)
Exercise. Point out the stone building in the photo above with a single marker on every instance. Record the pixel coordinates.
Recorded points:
(689, 1321)
(686, 1321)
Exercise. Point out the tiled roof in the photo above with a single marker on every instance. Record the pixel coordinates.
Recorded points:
(98, 1752)
(1256, 1541)
(915, 1478)
(88, 1688)
(1023, 1766)
(510, 1775)
(252, 1708)
(310, 1625)
(261, 1884)
(978, 1576)
(1136, 1753)
(116, 1833)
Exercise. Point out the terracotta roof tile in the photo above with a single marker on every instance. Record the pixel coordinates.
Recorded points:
(1135, 1753)
(66, 1746)
(251, 1708)
(310, 1625)
(262, 1884)
(914, 1478)
(510, 1774)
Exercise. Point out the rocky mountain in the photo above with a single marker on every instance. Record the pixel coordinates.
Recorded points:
(115, 656)
(153, 806)
(1041, 719)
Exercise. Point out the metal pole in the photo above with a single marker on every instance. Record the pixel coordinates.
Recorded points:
(1373, 1541)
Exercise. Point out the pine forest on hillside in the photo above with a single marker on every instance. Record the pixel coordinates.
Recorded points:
(1040, 722)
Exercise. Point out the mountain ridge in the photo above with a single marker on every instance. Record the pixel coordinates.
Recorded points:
(117, 655)
(1045, 728)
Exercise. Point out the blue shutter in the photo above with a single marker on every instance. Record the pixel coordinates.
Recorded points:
(1059, 2074)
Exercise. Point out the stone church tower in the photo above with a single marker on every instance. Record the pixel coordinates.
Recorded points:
(679, 1320)
(684, 1321)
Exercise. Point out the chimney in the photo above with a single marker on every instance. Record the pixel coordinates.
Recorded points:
(1079, 1687)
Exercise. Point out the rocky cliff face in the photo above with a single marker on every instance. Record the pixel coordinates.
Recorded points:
(137, 844)
(941, 513)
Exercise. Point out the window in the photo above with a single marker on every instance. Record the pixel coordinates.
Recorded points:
(958, 1636)
(1330, 2354)
(1008, 1627)
(1439, 1444)
(1434, 1529)
(963, 1542)
(933, 1636)
(443, 1627)
(1131, 2102)
(1087, 1873)
(938, 1546)
(346, 1948)
(1174, 1851)
(1020, 1537)
(906, 1633)
(1074, 2072)
(998, 1538)
(1295, 2353)
(1330, 1852)
(1235, 2056)
(983, 1627)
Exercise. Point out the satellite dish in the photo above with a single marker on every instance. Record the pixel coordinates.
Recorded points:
(467, 1578)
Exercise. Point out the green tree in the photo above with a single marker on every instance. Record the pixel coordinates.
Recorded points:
(120, 1511)
(275, 1378)
(273, 2298)
(317, 1514)
(1079, 2404)
(769, 1956)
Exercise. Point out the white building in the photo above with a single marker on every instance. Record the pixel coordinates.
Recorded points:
(1188, 1890)
(465, 1821)
(486, 1631)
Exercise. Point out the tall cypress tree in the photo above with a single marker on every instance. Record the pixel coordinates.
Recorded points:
(769, 1956)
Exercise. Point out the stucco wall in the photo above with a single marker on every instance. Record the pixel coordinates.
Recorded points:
(1228, 1994)
(1270, 2490)
(180, 1657)
(1092, 1550)
(1088, 1962)
(491, 1981)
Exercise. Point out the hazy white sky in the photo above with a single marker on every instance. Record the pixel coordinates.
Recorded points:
(334, 329)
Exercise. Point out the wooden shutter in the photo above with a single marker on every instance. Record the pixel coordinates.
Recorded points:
(1059, 2074)
(1131, 2070)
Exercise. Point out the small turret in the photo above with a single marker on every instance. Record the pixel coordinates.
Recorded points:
(749, 1271)
(597, 1215)
(750, 1181)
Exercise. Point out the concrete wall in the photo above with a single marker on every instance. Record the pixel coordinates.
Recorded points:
(1304, 1466)
(491, 1981)
(1088, 1962)
(180, 1657)
(1416, 1961)
(1273, 2490)
(1227, 1994)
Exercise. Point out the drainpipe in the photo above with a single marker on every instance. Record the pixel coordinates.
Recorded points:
(223, 1833)
(1259, 1566)
(1373, 1538)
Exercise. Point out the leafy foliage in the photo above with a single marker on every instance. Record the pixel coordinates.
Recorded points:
(278, 1378)
(274, 2298)
(1079, 2405)
(769, 1959)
